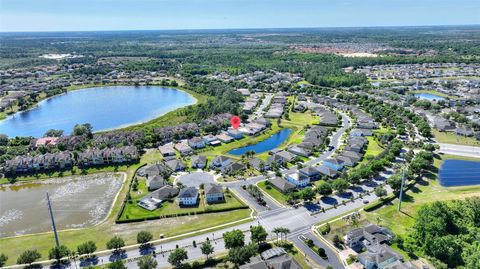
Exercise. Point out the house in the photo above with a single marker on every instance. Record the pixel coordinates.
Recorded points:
(211, 140)
(199, 161)
(188, 196)
(334, 163)
(361, 132)
(196, 143)
(352, 154)
(183, 148)
(232, 168)
(442, 124)
(46, 141)
(258, 164)
(464, 131)
(175, 165)
(274, 258)
(347, 161)
(167, 150)
(213, 193)
(297, 179)
(224, 138)
(154, 170)
(281, 184)
(380, 256)
(153, 200)
(366, 236)
(310, 172)
(326, 171)
(219, 162)
(286, 156)
(305, 152)
(155, 183)
(235, 133)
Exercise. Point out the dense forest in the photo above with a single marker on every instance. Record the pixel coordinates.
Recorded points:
(449, 233)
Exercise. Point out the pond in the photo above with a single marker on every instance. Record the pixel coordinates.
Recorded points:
(77, 202)
(103, 107)
(265, 145)
(429, 96)
(459, 173)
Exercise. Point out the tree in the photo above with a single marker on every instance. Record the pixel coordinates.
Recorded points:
(53, 133)
(395, 182)
(307, 194)
(143, 237)
(87, 248)
(380, 191)
(258, 234)
(240, 255)
(116, 243)
(337, 242)
(147, 262)
(58, 253)
(234, 239)
(83, 129)
(324, 188)
(3, 259)
(321, 252)
(28, 257)
(177, 256)
(340, 185)
(277, 231)
(207, 248)
(118, 264)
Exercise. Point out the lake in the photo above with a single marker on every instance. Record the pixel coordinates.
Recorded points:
(265, 145)
(459, 173)
(429, 96)
(103, 107)
(77, 201)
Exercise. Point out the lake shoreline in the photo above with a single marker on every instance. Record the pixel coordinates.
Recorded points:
(193, 98)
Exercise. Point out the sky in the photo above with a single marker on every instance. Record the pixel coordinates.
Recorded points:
(93, 15)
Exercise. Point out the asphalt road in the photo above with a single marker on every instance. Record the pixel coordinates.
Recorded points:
(467, 151)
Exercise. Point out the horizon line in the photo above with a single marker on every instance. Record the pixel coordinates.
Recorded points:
(240, 28)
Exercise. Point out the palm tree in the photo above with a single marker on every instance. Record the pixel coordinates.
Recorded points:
(277, 231)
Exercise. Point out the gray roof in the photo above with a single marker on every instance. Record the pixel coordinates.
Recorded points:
(213, 188)
(188, 192)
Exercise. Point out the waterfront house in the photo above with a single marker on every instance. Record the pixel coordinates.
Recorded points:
(235, 133)
(188, 196)
(297, 179)
(304, 152)
(213, 193)
(199, 161)
(232, 168)
(224, 138)
(211, 140)
(46, 141)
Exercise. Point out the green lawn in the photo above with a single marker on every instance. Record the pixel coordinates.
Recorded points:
(276, 194)
(452, 138)
(133, 211)
(373, 149)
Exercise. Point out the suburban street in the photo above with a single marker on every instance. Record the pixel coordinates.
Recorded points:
(467, 151)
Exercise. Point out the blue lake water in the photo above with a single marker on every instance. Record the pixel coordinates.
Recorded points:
(429, 96)
(265, 145)
(103, 107)
(459, 173)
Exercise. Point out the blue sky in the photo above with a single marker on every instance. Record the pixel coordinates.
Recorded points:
(74, 15)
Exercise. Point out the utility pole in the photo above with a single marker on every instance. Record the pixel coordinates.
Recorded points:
(401, 190)
(53, 220)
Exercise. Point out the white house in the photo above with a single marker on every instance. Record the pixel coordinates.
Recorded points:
(297, 179)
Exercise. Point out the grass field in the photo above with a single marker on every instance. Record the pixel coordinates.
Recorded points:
(133, 211)
(452, 138)
(276, 194)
